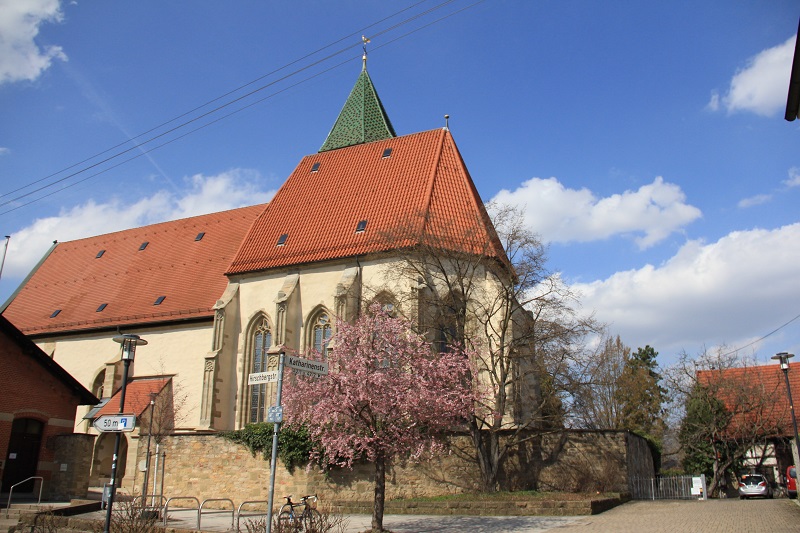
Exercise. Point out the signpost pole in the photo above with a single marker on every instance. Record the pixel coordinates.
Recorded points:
(275, 429)
(126, 363)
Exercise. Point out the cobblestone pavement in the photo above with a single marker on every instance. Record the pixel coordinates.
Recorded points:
(712, 516)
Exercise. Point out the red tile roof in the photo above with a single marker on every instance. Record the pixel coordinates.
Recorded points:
(743, 385)
(188, 272)
(421, 193)
(137, 396)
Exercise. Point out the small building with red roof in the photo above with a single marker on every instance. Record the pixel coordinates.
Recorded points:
(757, 401)
(38, 403)
(216, 296)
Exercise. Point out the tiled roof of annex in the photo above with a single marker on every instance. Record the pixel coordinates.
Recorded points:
(116, 279)
(409, 190)
(137, 396)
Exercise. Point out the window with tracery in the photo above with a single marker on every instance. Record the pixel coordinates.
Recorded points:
(321, 333)
(261, 342)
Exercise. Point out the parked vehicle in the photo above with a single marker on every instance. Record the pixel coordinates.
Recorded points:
(791, 481)
(751, 485)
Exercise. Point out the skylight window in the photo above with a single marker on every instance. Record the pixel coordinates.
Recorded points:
(387, 153)
(282, 239)
(144, 245)
(99, 254)
(102, 306)
(200, 236)
(55, 313)
(315, 167)
(361, 226)
(159, 300)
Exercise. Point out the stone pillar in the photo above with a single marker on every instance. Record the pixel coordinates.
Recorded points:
(72, 465)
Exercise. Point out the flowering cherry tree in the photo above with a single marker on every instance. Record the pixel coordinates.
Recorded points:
(387, 395)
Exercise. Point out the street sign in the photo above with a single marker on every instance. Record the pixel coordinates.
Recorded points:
(307, 365)
(275, 414)
(114, 423)
(257, 378)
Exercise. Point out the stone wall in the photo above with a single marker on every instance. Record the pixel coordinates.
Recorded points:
(208, 466)
(588, 461)
(73, 460)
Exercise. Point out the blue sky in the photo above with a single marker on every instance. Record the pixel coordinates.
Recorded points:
(645, 140)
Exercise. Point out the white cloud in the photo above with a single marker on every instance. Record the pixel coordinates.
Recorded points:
(205, 194)
(794, 177)
(21, 58)
(4, 151)
(758, 199)
(559, 214)
(761, 86)
(727, 292)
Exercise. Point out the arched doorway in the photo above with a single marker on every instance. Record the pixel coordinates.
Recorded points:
(23, 454)
(104, 458)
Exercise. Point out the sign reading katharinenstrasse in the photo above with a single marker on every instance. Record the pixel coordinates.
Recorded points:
(307, 365)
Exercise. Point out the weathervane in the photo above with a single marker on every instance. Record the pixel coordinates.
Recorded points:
(364, 42)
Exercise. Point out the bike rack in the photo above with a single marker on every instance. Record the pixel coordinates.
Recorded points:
(151, 506)
(239, 513)
(11, 491)
(219, 511)
(166, 508)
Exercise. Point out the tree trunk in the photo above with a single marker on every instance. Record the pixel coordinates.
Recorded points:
(486, 454)
(380, 494)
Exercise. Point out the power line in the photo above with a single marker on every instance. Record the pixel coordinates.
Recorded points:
(223, 117)
(238, 99)
(761, 339)
(197, 108)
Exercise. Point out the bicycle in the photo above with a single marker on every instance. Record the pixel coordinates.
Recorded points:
(309, 520)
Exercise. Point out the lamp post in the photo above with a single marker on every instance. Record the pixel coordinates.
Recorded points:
(784, 357)
(149, 434)
(129, 344)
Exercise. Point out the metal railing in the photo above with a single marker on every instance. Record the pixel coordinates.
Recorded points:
(11, 491)
(667, 488)
(240, 514)
(180, 509)
(216, 511)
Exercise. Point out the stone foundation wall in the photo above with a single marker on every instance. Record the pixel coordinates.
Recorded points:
(589, 461)
(208, 466)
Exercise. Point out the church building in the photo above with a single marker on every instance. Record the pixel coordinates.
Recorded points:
(217, 296)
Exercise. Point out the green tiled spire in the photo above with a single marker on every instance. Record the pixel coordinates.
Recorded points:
(362, 118)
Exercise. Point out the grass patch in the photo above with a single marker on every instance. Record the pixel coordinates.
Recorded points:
(513, 496)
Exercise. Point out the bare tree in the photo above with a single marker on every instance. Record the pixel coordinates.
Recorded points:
(616, 389)
(489, 287)
(597, 378)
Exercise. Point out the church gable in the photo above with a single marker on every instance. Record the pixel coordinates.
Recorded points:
(370, 198)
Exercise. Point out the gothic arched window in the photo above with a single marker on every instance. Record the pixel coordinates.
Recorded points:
(261, 341)
(321, 332)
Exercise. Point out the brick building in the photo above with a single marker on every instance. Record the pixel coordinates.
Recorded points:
(38, 402)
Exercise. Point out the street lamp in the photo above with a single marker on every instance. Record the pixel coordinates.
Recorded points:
(149, 434)
(129, 343)
(784, 357)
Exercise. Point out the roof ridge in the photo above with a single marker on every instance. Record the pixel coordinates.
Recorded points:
(478, 204)
(426, 209)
